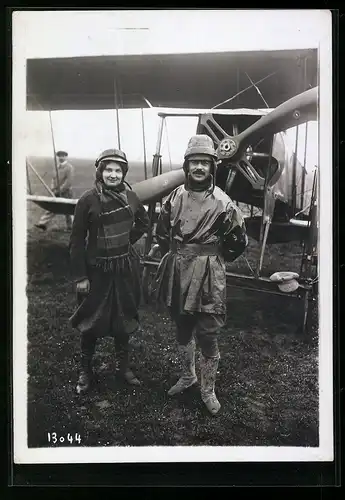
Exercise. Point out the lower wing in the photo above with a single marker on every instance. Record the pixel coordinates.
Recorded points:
(55, 205)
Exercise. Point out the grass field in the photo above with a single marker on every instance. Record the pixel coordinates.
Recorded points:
(268, 373)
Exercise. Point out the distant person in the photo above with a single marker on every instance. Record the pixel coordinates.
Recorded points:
(108, 220)
(61, 187)
(198, 230)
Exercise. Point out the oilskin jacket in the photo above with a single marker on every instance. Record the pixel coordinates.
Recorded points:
(197, 233)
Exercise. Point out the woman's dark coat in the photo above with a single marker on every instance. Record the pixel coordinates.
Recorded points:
(112, 304)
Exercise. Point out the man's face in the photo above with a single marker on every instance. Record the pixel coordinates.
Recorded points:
(62, 158)
(199, 167)
(112, 174)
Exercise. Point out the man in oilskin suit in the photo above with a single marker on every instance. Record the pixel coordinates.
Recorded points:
(199, 228)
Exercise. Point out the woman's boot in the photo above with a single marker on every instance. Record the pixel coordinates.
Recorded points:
(86, 374)
(208, 368)
(124, 368)
(188, 377)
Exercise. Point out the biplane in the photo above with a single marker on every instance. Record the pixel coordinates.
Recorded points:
(244, 101)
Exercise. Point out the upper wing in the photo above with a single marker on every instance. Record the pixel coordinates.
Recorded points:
(200, 80)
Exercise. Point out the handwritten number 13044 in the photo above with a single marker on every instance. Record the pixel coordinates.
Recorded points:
(70, 438)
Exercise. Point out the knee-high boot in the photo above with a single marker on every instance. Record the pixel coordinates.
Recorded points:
(188, 377)
(208, 368)
(88, 346)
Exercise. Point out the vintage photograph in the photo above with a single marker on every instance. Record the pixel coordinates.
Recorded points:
(172, 207)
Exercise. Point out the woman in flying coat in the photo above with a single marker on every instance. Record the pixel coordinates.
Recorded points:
(109, 219)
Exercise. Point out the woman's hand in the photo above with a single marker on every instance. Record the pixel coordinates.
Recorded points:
(83, 286)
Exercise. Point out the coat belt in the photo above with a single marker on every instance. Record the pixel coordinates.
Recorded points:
(194, 248)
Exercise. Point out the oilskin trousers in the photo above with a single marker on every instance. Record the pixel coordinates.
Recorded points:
(206, 327)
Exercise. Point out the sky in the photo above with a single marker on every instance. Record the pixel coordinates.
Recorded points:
(84, 134)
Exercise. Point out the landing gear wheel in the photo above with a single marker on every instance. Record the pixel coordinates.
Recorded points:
(148, 277)
(310, 320)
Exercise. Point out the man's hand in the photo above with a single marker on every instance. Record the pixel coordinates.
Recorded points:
(83, 286)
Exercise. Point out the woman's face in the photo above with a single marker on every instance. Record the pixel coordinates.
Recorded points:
(112, 174)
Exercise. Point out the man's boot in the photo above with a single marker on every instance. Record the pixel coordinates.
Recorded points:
(208, 368)
(124, 368)
(188, 378)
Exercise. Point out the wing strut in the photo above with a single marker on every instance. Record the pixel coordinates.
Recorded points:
(117, 111)
(268, 211)
(28, 178)
(156, 163)
(304, 171)
(54, 150)
(144, 141)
